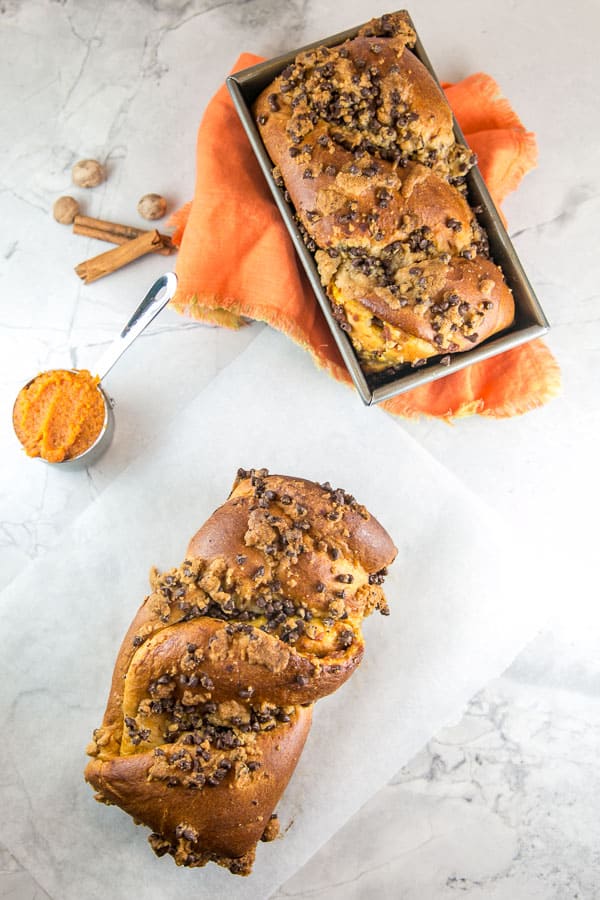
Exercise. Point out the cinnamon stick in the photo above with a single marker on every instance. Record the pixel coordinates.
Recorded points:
(115, 233)
(105, 263)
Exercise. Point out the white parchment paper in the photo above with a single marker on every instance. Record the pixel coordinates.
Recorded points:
(461, 592)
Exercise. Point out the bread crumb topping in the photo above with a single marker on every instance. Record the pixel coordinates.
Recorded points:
(378, 181)
(230, 648)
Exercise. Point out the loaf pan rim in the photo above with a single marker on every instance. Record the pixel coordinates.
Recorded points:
(526, 301)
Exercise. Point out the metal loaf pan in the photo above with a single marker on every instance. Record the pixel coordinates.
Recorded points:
(530, 321)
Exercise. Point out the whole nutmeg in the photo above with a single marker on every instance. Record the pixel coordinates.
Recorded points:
(152, 206)
(87, 173)
(65, 209)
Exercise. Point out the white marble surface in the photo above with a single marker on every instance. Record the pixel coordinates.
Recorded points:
(126, 83)
(441, 614)
(436, 622)
(501, 806)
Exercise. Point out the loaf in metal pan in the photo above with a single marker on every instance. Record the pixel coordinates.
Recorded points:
(362, 141)
(212, 691)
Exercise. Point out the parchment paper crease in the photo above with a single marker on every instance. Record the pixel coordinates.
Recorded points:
(462, 598)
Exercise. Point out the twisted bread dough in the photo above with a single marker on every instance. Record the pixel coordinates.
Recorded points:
(213, 687)
(362, 141)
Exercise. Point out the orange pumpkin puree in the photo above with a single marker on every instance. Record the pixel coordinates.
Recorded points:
(59, 414)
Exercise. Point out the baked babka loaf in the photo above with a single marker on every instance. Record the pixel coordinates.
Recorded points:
(363, 144)
(212, 692)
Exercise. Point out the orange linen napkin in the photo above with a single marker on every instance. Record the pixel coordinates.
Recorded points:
(236, 260)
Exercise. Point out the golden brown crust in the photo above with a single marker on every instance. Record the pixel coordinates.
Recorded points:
(362, 140)
(225, 820)
(238, 657)
(450, 306)
(211, 696)
(362, 537)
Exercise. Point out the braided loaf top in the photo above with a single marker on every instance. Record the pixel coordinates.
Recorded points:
(213, 686)
(363, 144)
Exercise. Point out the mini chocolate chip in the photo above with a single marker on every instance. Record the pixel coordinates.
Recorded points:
(346, 638)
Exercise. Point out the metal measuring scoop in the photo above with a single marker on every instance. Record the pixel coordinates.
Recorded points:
(155, 300)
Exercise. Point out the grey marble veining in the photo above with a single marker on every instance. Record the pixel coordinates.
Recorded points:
(502, 806)
(95, 586)
(16, 882)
